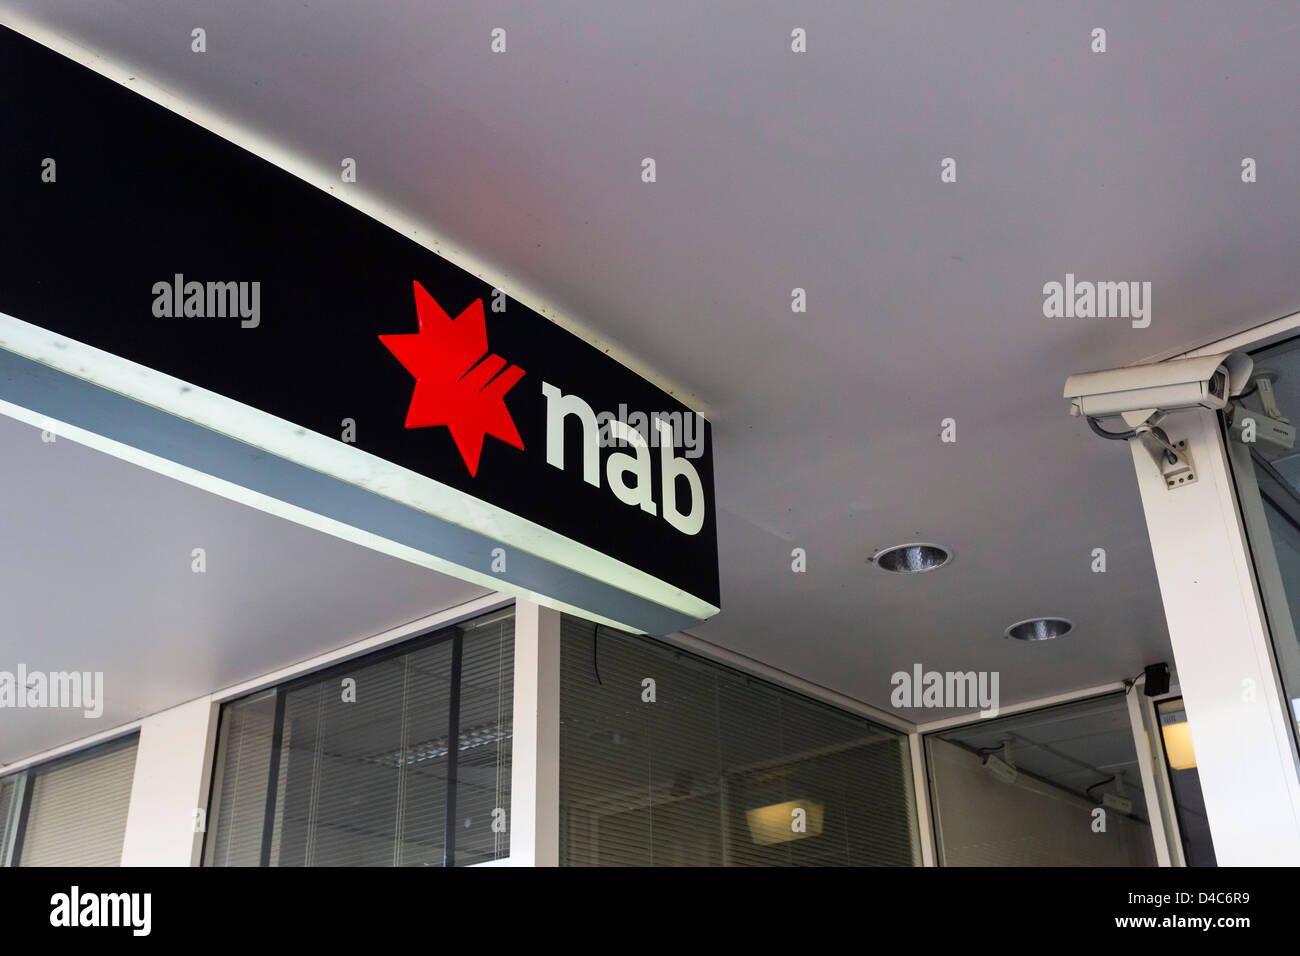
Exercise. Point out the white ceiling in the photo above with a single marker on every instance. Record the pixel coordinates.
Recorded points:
(821, 170)
(96, 574)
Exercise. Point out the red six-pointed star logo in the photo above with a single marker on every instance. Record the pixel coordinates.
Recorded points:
(455, 384)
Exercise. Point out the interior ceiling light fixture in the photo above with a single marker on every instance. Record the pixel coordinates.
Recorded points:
(914, 558)
(1040, 629)
(1178, 744)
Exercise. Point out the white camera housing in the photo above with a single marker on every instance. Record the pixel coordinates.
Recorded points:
(1138, 392)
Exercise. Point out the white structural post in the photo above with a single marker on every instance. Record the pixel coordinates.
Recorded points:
(535, 742)
(169, 793)
(1238, 714)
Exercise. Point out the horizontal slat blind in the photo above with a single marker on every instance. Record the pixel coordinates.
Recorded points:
(239, 782)
(710, 772)
(350, 769)
(485, 726)
(77, 815)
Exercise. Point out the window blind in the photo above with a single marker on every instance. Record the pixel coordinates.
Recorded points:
(363, 782)
(367, 763)
(77, 810)
(485, 726)
(239, 783)
(720, 769)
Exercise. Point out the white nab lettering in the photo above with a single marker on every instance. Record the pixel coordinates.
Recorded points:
(559, 407)
(629, 476)
(673, 468)
(621, 464)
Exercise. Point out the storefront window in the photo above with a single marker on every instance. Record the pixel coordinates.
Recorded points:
(70, 811)
(667, 759)
(401, 758)
(1053, 787)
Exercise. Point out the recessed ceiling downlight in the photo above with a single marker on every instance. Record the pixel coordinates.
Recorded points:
(1040, 629)
(912, 558)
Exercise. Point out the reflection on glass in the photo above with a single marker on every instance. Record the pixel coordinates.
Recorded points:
(1261, 460)
(667, 759)
(399, 758)
(1052, 787)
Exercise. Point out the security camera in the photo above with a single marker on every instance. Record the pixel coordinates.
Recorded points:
(1143, 395)
(1139, 393)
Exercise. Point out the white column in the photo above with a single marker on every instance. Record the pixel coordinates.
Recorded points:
(1238, 714)
(173, 765)
(535, 743)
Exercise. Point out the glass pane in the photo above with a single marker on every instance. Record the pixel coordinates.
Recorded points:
(423, 780)
(1053, 787)
(1185, 783)
(78, 806)
(358, 760)
(667, 759)
(1263, 462)
(243, 767)
(485, 724)
(343, 760)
